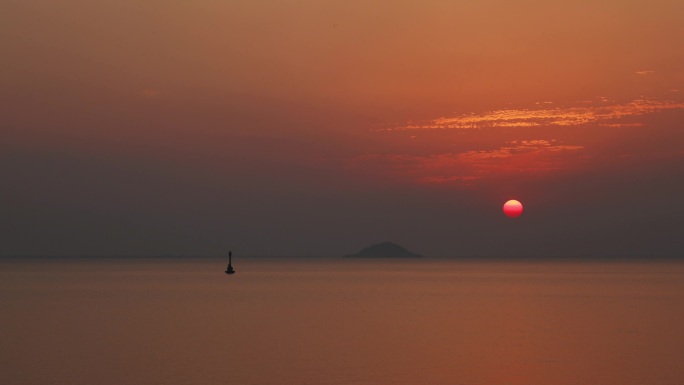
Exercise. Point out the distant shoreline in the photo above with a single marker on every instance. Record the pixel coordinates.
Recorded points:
(354, 257)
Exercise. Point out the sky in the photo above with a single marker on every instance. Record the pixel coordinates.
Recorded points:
(316, 128)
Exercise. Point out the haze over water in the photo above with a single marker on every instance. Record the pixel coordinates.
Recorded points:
(150, 127)
(341, 321)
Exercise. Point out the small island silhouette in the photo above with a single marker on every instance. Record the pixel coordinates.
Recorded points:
(384, 250)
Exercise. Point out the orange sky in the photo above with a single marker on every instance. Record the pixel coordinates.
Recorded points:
(160, 114)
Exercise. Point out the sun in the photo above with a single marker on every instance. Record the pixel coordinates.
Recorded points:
(513, 208)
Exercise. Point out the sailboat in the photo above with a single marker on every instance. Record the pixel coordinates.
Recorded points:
(229, 269)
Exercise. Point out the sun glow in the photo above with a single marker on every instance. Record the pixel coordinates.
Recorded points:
(513, 208)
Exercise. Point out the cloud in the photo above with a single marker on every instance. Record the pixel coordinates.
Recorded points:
(571, 116)
(489, 153)
(644, 72)
(464, 180)
(531, 157)
(620, 125)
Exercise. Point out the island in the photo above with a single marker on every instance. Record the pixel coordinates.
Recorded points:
(384, 250)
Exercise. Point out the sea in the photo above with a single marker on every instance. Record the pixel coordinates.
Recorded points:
(335, 321)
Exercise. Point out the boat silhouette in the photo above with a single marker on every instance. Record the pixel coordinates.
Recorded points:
(229, 269)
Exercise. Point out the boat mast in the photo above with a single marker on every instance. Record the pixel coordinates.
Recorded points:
(229, 269)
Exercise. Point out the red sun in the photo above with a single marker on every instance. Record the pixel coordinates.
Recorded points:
(513, 208)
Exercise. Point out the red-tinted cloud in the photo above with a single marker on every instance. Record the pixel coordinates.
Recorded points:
(514, 142)
(611, 115)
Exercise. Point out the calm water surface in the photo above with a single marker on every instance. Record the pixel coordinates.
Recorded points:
(341, 321)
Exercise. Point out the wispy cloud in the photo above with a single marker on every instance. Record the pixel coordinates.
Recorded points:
(620, 125)
(466, 168)
(644, 72)
(572, 116)
(487, 152)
